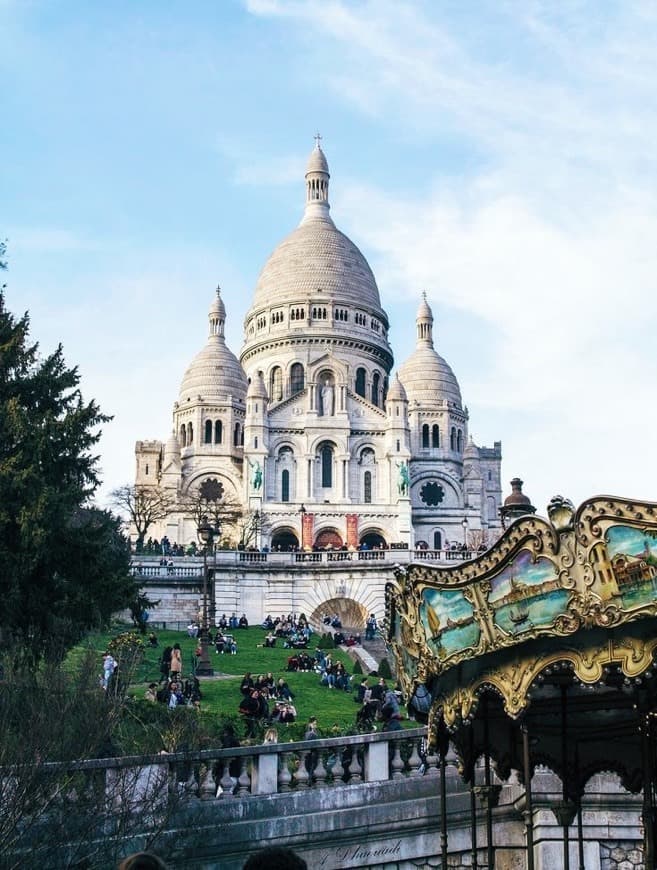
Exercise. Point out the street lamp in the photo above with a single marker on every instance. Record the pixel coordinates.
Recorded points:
(464, 523)
(206, 533)
(256, 528)
(302, 511)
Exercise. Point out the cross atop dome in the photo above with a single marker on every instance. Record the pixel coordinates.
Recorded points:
(318, 139)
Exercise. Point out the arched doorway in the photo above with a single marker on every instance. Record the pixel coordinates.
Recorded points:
(328, 539)
(352, 615)
(284, 540)
(373, 540)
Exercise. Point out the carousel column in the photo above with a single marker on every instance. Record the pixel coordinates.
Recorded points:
(444, 746)
(648, 814)
(473, 803)
(565, 810)
(529, 809)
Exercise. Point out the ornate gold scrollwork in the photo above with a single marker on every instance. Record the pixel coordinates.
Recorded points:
(603, 575)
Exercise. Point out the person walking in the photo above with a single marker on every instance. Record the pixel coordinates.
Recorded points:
(176, 661)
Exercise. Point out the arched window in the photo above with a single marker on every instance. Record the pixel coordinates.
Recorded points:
(236, 435)
(425, 435)
(285, 485)
(367, 487)
(452, 439)
(297, 381)
(190, 434)
(326, 454)
(360, 382)
(276, 384)
(208, 432)
(376, 380)
(459, 441)
(218, 432)
(183, 435)
(437, 541)
(435, 435)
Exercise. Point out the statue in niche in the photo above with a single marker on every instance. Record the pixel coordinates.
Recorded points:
(404, 479)
(256, 480)
(326, 399)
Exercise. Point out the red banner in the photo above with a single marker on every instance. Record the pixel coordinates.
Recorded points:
(307, 526)
(352, 531)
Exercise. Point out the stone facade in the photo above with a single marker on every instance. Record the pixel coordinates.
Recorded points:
(310, 415)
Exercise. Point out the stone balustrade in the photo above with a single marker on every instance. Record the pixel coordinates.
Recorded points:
(263, 769)
(191, 567)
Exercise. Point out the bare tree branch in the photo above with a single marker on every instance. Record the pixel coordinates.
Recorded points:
(144, 505)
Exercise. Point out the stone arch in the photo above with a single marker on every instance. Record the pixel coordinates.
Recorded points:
(286, 538)
(374, 538)
(351, 613)
(328, 538)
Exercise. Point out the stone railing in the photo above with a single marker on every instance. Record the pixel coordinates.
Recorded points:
(191, 567)
(249, 771)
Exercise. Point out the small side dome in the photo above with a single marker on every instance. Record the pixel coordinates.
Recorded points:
(397, 393)
(471, 452)
(215, 372)
(172, 447)
(428, 379)
(257, 389)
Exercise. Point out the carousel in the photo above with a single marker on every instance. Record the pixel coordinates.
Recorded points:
(539, 655)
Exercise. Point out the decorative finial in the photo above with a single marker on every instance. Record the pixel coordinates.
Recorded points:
(218, 289)
(318, 139)
(424, 295)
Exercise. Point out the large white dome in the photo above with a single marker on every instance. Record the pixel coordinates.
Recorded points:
(316, 256)
(317, 286)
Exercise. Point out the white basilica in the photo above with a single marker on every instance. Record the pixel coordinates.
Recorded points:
(308, 430)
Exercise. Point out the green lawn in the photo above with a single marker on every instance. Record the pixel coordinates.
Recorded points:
(221, 694)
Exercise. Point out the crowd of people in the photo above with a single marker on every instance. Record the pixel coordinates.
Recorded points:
(267, 702)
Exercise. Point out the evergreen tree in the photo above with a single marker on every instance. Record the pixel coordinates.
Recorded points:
(64, 566)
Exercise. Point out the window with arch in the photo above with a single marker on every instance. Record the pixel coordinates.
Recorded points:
(297, 379)
(437, 541)
(326, 459)
(218, 432)
(361, 374)
(435, 435)
(367, 487)
(190, 434)
(376, 382)
(183, 435)
(208, 432)
(276, 384)
(452, 439)
(236, 435)
(425, 435)
(459, 441)
(285, 468)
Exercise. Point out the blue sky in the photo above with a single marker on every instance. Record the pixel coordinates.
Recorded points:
(499, 155)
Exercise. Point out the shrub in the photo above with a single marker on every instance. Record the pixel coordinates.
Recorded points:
(384, 669)
(358, 668)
